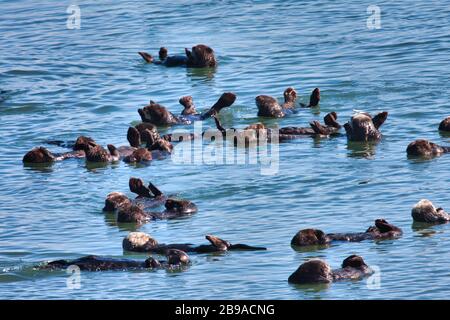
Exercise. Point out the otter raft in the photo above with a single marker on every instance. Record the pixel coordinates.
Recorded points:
(169, 152)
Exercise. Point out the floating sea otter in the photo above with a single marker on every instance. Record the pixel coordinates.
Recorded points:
(362, 127)
(269, 106)
(256, 132)
(381, 230)
(318, 271)
(201, 56)
(136, 210)
(425, 211)
(445, 124)
(160, 116)
(142, 242)
(175, 259)
(426, 149)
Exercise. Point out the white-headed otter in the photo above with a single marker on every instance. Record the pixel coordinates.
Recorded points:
(159, 115)
(318, 271)
(142, 242)
(362, 127)
(445, 125)
(136, 211)
(201, 56)
(381, 230)
(425, 149)
(175, 258)
(425, 211)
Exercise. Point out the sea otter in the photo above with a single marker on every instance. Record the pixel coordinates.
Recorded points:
(269, 106)
(136, 211)
(159, 115)
(255, 132)
(201, 56)
(381, 230)
(175, 258)
(445, 125)
(362, 127)
(426, 149)
(318, 271)
(425, 211)
(141, 242)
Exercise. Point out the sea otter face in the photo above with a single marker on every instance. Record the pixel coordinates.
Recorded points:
(424, 148)
(38, 155)
(177, 257)
(354, 261)
(188, 104)
(115, 200)
(309, 237)
(201, 56)
(362, 128)
(445, 125)
(180, 206)
(139, 155)
(157, 114)
(290, 95)
(425, 211)
(163, 53)
(138, 241)
(312, 271)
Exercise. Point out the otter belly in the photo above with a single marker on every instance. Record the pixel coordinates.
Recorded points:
(175, 61)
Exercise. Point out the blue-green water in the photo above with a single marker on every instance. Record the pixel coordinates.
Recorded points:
(58, 83)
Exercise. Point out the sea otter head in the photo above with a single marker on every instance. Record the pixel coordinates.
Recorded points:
(290, 95)
(201, 56)
(115, 200)
(312, 271)
(163, 53)
(423, 148)
(309, 237)
(188, 103)
(180, 206)
(314, 98)
(157, 114)
(221, 245)
(83, 142)
(354, 261)
(425, 211)
(177, 257)
(138, 241)
(445, 124)
(38, 155)
(361, 127)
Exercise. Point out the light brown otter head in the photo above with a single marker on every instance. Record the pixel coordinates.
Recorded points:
(83, 142)
(290, 95)
(309, 237)
(188, 103)
(157, 114)
(312, 271)
(424, 148)
(38, 155)
(425, 211)
(138, 241)
(354, 261)
(180, 206)
(221, 245)
(445, 124)
(201, 56)
(361, 127)
(177, 257)
(115, 200)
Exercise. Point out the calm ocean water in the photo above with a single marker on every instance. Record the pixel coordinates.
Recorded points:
(57, 83)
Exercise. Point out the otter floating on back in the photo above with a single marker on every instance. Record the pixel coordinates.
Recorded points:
(318, 271)
(425, 211)
(142, 242)
(175, 259)
(362, 127)
(201, 56)
(381, 230)
(136, 211)
(425, 149)
(159, 115)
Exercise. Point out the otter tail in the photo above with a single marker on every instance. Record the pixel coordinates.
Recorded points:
(147, 57)
(240, 246)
